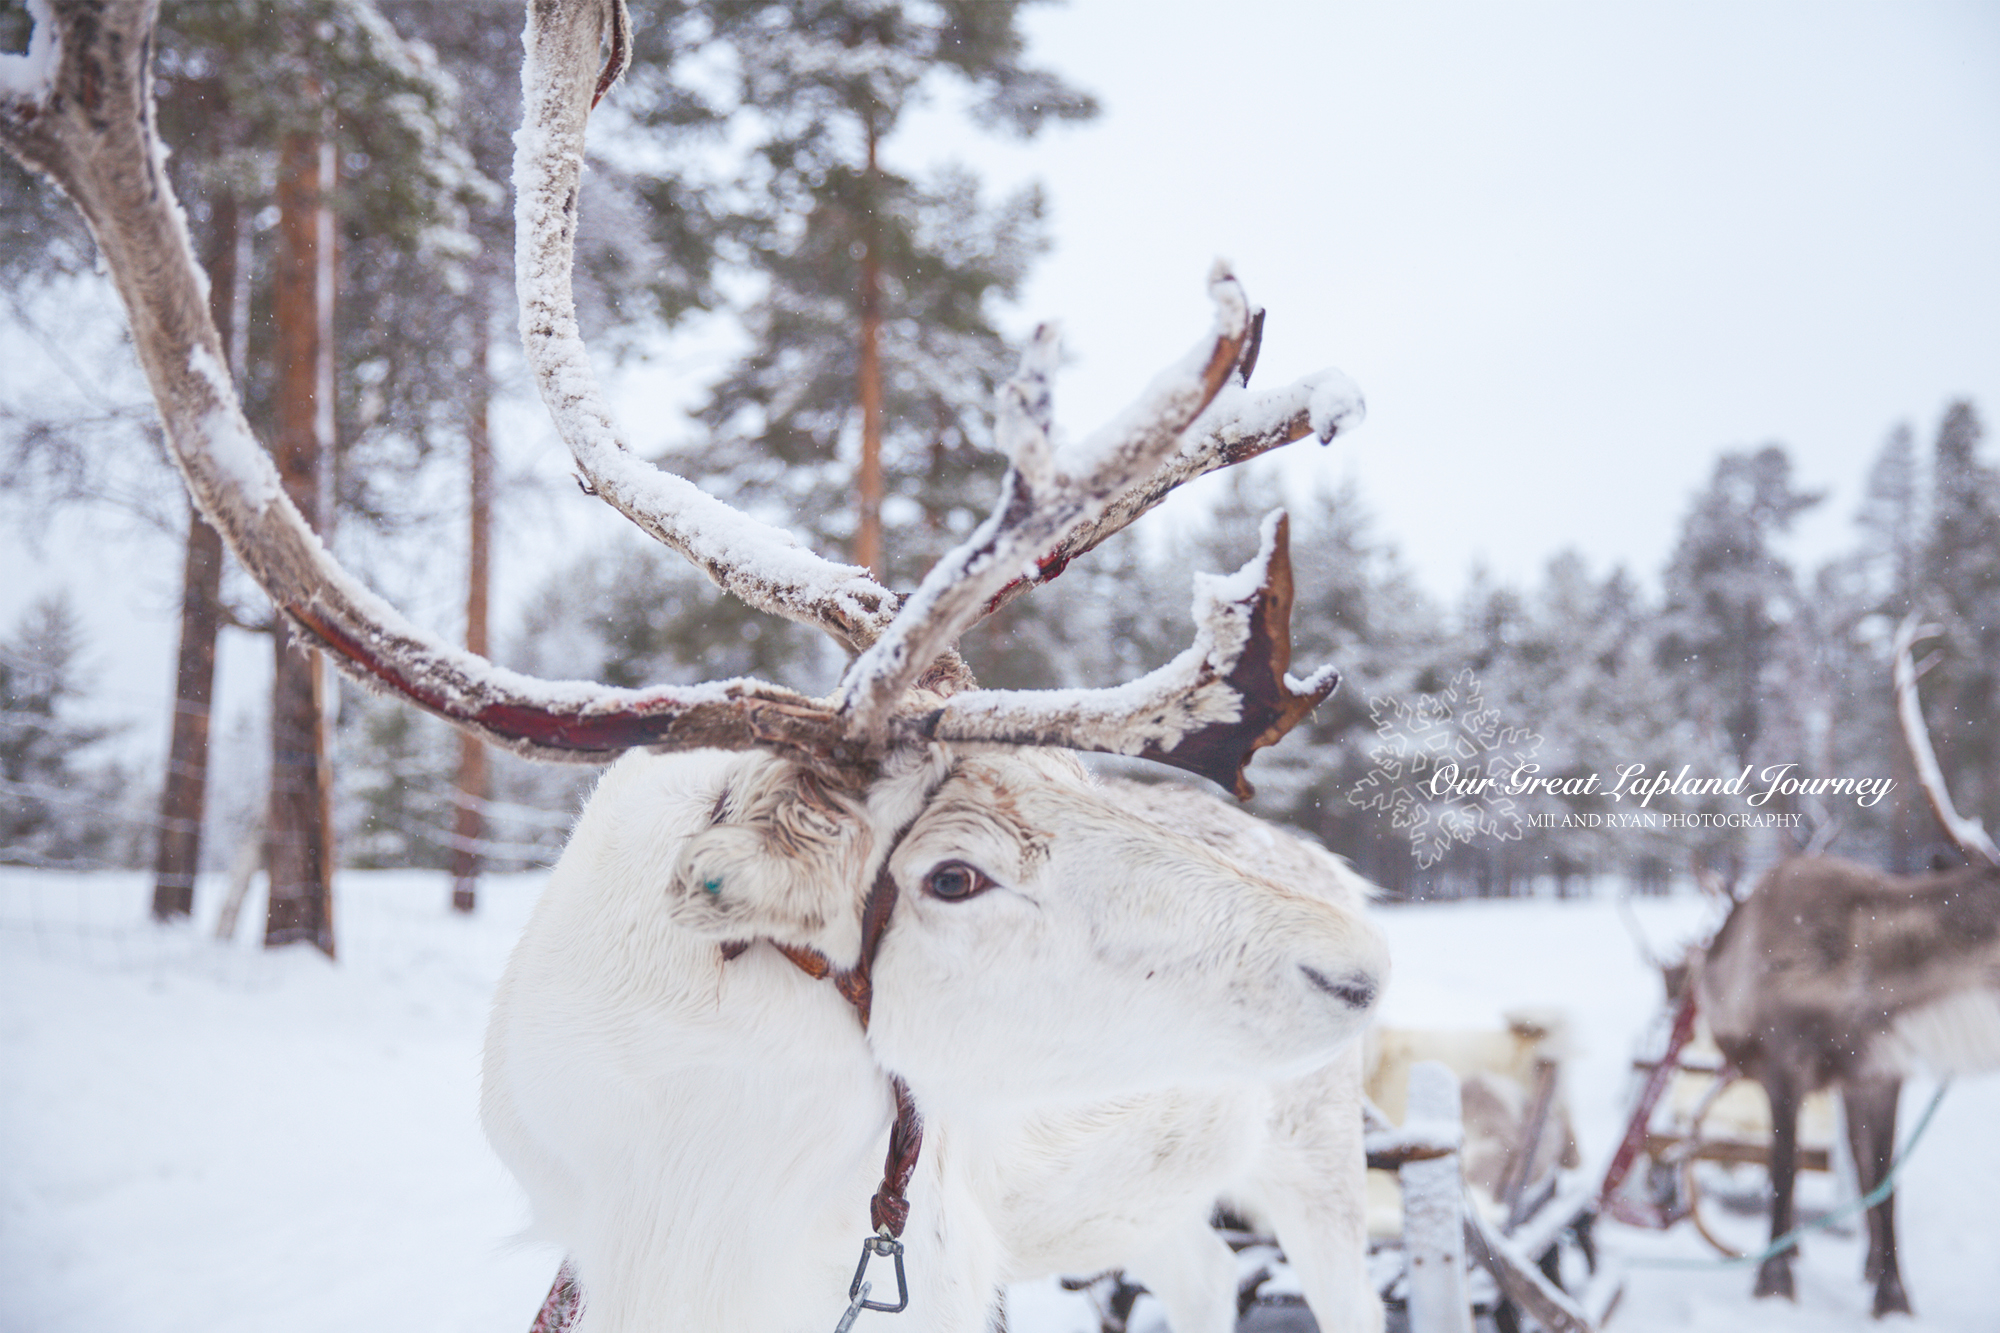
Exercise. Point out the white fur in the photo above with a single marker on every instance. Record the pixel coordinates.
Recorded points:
(1101, 1045)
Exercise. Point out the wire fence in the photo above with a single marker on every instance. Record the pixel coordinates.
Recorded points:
(387, 921)
(102, 920)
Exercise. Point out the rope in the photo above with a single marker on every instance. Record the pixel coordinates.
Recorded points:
(1791, 1239)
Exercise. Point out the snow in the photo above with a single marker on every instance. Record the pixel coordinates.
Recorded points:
(1224, 596)
(243, 462)
(198, 1136)
(29, 76)
(195, 1136)
(1336, 404)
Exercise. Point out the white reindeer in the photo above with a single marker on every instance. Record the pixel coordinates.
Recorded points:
(1091, 1037)
(798, 921)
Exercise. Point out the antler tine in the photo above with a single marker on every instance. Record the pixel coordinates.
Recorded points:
(1238, 426)
(763, 565)
(1044, 500)
(1967, 833)
(86, 122)
(1206, 712)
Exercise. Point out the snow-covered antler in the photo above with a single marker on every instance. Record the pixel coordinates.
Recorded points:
(763, 565)
(1043, 499)
(78, 108)
(1239, 425)
(1206, 712)
(1224, 686)
(1968, 834)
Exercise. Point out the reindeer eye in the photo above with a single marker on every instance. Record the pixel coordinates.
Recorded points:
(955, 881)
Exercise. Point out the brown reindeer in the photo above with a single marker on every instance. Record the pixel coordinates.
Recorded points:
(1834, 974)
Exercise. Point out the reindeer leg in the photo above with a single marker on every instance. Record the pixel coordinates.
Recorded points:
(1782, 1086)
(1327, 1247)
(1859, 1101)
(1871, 1130)
(1312, 1188)
(1193, 1273)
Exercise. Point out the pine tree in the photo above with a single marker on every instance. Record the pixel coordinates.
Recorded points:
(1857, 600)
(87, 440)
(1891, 523)
(874, 353)
(1962, 574)
(57, 808)
(397, 777)
(633, 615)
(1729, 595)
(40, 233)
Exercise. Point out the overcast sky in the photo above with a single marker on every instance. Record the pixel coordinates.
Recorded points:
(1569, 251)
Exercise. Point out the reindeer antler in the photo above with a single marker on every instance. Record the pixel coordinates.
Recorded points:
(1206, 712)
(763, 565)
(1968, 834)
(1043, 500)
(558, 94)
(78, 108)
(1239, 425)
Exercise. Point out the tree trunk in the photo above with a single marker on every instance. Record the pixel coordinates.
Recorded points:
(868, 529)
(300, 856)
(184, 797)
(468, 822)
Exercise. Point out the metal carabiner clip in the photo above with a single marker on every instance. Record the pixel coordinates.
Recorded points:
(879, 1244)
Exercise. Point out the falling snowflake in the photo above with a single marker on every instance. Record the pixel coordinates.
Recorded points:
(1442, 767)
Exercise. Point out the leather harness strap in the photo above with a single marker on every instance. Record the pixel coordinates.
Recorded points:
(889, 1209)
(857, 984)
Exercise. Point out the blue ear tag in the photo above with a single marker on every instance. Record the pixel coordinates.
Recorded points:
(712, 886)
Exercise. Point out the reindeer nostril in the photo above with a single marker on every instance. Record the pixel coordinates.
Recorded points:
(1356, 991)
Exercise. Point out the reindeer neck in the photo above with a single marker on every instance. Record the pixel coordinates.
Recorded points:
(722, 1130)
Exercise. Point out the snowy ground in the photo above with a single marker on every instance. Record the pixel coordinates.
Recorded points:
(195, 1136)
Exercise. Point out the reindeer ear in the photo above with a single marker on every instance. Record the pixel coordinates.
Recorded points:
(780, 859)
